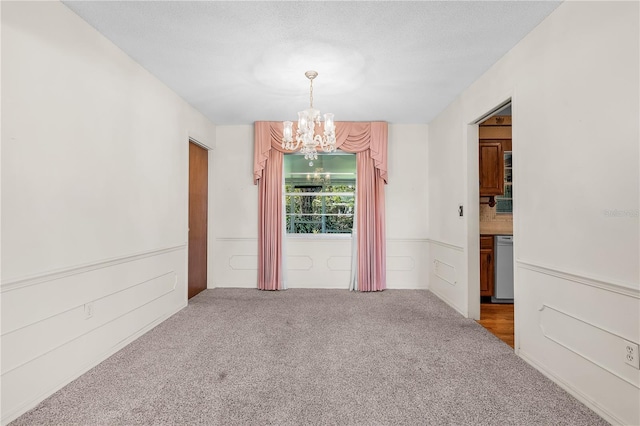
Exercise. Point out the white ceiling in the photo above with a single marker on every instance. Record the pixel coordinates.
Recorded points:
(238, 62)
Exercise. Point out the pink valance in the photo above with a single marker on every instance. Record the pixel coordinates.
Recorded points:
(351, 136)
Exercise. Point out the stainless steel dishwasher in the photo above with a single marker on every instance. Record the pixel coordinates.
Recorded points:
(503, 289)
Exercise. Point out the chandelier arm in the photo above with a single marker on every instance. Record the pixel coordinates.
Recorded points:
(294, 147)
(327, 143)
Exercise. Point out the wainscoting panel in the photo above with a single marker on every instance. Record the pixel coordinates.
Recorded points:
(318, 253)
(447, 277)
(23, 345)
(407, 263)
(234, 262)
(299, 263)
(445, 272)
(400, 263)
(339, 263)
(588, 340)
(322, 262)
(567, 331)
(54, 330)
(243, 262)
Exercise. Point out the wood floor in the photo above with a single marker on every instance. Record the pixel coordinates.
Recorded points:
(498, 319)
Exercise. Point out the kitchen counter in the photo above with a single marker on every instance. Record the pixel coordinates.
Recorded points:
(496, 228)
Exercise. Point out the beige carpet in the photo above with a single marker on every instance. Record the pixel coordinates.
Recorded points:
(297, 357)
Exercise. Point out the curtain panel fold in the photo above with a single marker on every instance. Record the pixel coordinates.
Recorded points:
(368, 140)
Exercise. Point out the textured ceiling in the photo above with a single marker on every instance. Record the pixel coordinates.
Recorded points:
(240, 62)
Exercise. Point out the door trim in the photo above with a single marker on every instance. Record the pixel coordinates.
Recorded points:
(472, 222)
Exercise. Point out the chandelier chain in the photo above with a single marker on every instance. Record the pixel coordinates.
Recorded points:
(311, 93)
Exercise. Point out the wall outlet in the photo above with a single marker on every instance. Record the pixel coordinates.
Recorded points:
(88, 310)
(631, 355)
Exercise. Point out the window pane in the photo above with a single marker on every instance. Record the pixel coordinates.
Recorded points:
(504, 203)
(320, 199)
(504, 206)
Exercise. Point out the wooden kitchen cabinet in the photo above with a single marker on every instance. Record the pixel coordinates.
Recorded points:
(491, 168)
(487, 266)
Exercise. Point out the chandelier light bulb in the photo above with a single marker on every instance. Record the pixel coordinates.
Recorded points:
(328, 123)
(287, 133)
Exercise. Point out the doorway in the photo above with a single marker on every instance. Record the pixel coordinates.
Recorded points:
(198, 211)
(495, 215)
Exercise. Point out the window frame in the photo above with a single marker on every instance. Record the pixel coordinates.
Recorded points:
(320, 235)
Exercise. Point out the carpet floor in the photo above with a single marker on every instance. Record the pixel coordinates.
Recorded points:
(319, 357)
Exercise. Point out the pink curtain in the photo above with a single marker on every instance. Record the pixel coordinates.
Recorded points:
(369, 142)
(268, 176)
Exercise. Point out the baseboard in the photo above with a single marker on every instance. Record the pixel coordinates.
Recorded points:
(448, 302)
(14, 414)
(591, 404)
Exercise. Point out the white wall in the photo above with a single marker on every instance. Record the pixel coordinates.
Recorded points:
(94, 199)
(318, 262)
(235, 228)
(447, 268)
(574, 85)
(406, 207)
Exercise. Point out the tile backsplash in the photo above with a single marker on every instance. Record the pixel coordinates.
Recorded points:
(494, 223)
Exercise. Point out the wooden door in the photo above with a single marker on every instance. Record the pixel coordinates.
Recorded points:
(198, 200)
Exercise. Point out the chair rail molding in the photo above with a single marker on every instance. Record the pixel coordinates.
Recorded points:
(12, 284)
(445, 244)
(622, 288)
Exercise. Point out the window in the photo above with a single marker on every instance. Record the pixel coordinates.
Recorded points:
(320, 199)
(504, 203)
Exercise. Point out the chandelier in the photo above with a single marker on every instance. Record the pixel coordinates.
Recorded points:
(306, 136)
